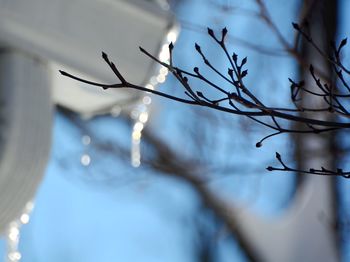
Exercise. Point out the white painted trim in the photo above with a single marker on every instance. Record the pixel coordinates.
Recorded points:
(26, 117)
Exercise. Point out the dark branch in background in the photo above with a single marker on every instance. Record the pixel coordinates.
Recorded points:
(163, 159)
(172, 164)
(241, 100)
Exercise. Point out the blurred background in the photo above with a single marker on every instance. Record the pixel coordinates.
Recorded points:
(191, 186)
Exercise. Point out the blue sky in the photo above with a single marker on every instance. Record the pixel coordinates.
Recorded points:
(109, 212)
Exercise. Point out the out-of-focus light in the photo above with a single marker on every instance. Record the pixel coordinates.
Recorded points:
(161, 78)
(29, 206)
(14, 256)
(85, 160)
(24, 218)
(138, 127)
(164, 54)
(149, 86)
(13, 234)
(115, 111)
(153, 82)
(163, 71)
(136, 135)
(147, 100)
(164, 4)
(86, 140)
(134, 114)
(172, 36)
(136, 162)
(143, 117)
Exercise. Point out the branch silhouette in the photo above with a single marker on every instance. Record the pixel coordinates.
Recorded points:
(241, 99)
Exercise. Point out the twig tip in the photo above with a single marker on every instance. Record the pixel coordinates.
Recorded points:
(104, 55)
(63, 72)
(269, 168)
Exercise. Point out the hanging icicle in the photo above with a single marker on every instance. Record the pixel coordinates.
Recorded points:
(13, 234)
(140, 113)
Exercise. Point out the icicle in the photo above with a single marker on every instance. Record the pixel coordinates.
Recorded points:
(13, 234)
(141, 117)
(140, 113)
